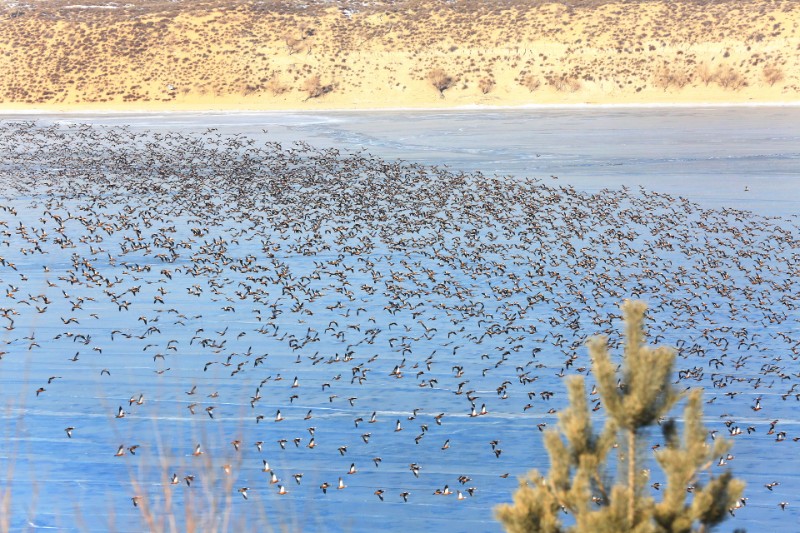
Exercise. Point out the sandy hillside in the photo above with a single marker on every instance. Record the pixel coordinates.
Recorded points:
(59, 54)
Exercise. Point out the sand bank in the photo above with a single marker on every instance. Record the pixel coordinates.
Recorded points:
(244, 56)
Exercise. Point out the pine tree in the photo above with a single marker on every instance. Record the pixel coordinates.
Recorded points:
(639, 398)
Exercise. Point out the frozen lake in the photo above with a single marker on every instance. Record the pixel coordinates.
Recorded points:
(740, 157)
(221, 274)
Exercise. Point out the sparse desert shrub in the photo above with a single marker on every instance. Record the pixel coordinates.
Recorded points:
(729, 78)
(276, 86)
(531, 82)
(773, 74)
(486, 85)
(564, 83)
(247, 89)
(666, 77)
(440, 80)
(314, 88)
(705, 73)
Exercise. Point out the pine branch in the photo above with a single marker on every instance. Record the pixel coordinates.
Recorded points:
(637, 399)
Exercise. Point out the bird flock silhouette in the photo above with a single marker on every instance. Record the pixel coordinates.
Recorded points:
(204, 312)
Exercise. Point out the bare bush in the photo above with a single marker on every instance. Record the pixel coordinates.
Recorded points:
(531, 82)
(705, 73)
(773, 74)
(486, 85)
(440, 80)
(729, 78)
(314, 88)
(276, 87)
(246, 89)
(666, 77)
(565, 83)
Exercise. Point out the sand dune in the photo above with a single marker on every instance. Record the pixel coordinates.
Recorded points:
(60, 55)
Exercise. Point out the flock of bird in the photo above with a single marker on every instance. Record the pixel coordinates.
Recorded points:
(250, 319)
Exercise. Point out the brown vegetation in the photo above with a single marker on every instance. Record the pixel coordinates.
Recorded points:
(530, 82)
(486, 85)
(773, 74)
(705, 73)
(729, 78)
(440, 80)
(314, 88)
(275, 86)
(564, 83)
(667, 77)
(54, 53)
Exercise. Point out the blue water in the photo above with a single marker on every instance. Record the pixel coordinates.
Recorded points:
(489, 255)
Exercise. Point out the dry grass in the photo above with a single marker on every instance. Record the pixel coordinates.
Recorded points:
(204, 504)
(5, 501)
(257, 54)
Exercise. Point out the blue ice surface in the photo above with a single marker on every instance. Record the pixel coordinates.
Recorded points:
(725, 171)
